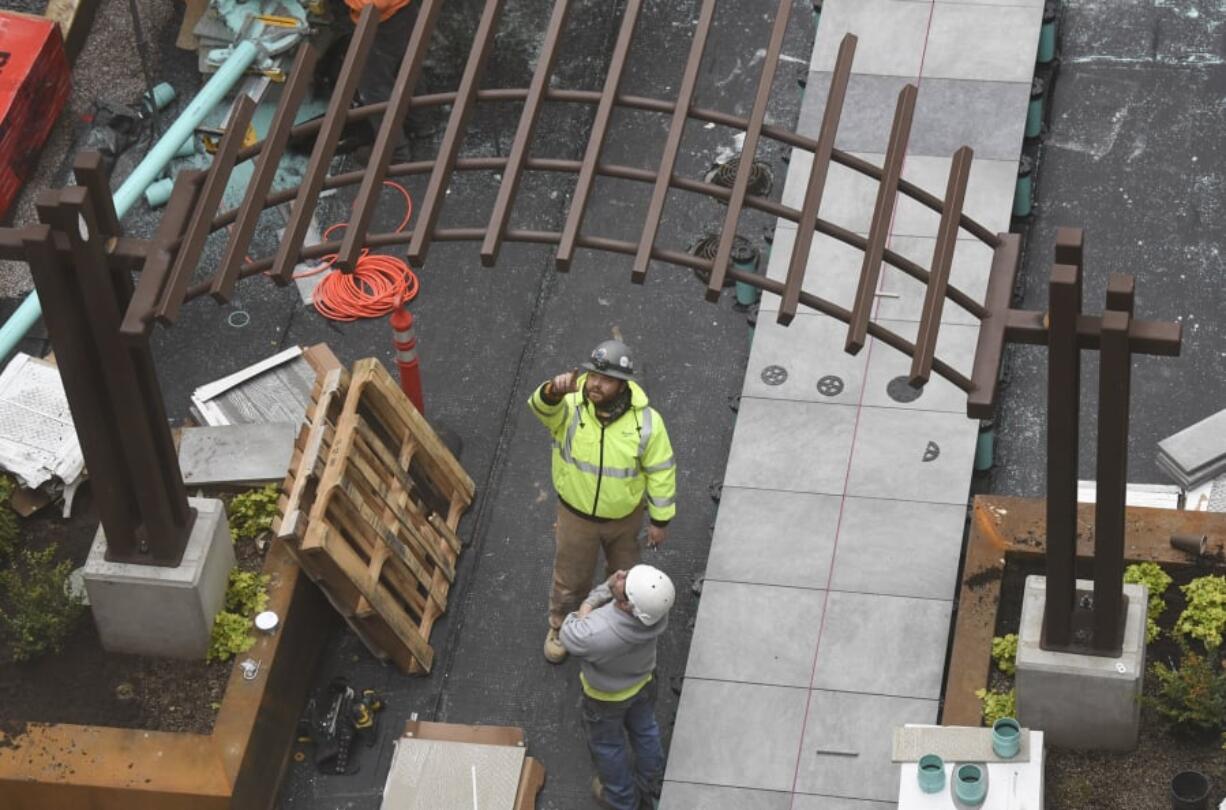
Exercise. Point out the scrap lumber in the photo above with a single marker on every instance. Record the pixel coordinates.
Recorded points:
(370, 510)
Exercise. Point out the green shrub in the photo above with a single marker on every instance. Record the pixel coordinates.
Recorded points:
(251, 513)
(1204, 619)
(1193, 695)
(42, 613)
(1156, 581)
(997, 704)
(231, 636)
(1004, 653)
(246, 595)
(8, 519)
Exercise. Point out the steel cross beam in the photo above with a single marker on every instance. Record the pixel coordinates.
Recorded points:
(1073, 621)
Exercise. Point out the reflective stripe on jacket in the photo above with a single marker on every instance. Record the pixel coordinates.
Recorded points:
(605, 470)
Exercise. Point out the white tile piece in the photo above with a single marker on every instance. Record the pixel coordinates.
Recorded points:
(756, 633)
(774, 538)
(888, 460)
(790, 446)
(886, 645)
(984, 43)
(810, 349)
(738, 735)
(874, 534)
(891, 36)
(847, 743)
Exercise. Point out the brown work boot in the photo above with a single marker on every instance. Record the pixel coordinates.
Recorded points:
(555, 653)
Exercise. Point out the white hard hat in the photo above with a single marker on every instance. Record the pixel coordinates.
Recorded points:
(650, 593)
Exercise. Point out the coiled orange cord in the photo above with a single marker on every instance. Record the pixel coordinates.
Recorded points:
(377, 285)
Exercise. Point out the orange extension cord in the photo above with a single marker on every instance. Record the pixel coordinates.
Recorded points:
(377, 285)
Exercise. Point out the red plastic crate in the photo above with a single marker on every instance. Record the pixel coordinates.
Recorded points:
(34, 84)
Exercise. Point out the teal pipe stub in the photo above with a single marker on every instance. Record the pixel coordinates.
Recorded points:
(971, 783)
(1006, 737)
(163, 94)
(158, 193)
(187, 149)
(1034, 113)
(930, 772)
(985, 447)
(1047, 34)
(1023, 193)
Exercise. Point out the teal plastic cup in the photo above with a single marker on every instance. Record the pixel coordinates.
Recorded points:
(971, 784)
(1006, 737)
(931, 773)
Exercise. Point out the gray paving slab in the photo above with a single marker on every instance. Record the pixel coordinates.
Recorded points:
(902, 297)
(891, 36)
(738, 735)
(891, 445)
(688, 796)
(756, 633)
(791, 446)
(847, 743)
(987, 116)
(813, 373)
(874, 534)
(832, 270)
(885, 645)
(236, 454)
(774, 538)
(850, 196)
(988, 43)
(889, 370)
(1028, 3)
(804, 801)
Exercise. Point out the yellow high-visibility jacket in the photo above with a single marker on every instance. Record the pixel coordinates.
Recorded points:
(605, 470)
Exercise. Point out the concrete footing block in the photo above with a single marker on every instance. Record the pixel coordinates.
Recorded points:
(1084, 702)
(165, 612)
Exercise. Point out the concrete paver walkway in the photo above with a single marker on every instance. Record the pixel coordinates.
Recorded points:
(826, 613)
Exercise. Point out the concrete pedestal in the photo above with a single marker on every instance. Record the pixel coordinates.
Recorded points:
(1081, 701)
(167, 612)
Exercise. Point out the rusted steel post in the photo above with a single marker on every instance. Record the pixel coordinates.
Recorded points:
(1063, 409)
(129, 450)
(1114, 387)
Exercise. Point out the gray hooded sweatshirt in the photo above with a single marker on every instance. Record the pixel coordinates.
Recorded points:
(616, 651)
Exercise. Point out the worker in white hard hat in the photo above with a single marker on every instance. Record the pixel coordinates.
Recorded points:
(612, 461)
(613, 634)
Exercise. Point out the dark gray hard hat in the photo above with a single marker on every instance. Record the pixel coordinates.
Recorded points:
(612, 359)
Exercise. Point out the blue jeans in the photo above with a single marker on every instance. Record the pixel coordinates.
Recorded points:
(627, 785)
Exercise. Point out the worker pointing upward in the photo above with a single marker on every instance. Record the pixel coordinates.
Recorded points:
(611, 456)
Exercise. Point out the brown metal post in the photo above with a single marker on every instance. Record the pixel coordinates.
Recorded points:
(1114, 387)
(149, 520)
(1063, 409)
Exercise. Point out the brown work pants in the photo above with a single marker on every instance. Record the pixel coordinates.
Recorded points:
(579, 542)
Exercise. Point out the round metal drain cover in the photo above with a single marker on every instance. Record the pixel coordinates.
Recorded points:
(830, 386)
(774, 375)
(900, 390)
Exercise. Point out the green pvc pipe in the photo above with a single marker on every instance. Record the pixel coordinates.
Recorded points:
(1022, 195)
(747, 294)
(146, 172)
(985, 447)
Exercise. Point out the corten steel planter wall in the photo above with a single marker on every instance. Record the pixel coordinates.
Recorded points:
(71, 767)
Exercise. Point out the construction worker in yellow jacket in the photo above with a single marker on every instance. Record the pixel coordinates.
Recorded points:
(611, 460)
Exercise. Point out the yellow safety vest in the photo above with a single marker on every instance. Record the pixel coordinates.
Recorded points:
(606, 470)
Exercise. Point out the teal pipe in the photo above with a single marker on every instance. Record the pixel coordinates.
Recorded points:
(146, 172)
(1047, 34)
(1034, 113)
(1022, 195)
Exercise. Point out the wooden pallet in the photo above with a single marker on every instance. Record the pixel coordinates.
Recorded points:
(370, 510)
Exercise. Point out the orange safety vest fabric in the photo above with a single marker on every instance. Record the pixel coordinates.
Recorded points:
(386, 8)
